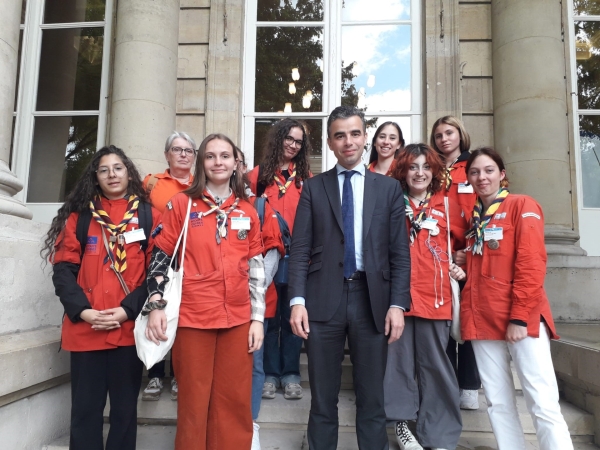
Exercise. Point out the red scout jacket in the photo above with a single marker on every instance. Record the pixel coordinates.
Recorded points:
(215, 292)
(425, 278)
(99, 282)
(508, 283)
(165, 188)
(371, 167)
(271, 236)
(458, 173)
(286, 205)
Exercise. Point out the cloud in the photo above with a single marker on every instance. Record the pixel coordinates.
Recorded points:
(376, 10)
(392, 100)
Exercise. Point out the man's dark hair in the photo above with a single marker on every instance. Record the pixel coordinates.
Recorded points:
(345, 112)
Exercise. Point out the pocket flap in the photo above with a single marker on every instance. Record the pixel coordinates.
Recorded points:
(314, 267)
(315, 250)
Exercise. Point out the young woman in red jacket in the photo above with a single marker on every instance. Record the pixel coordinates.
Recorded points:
(100, 314)
(222, 303)
(421, 349)
(386, 144)
(504, 309)
(452, 142)
(279, 178)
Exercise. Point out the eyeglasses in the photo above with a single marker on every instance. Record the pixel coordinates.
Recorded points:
(179, 151)
(291, 141)
(104, 172)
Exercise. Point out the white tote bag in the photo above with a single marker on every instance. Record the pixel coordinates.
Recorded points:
(148, 352)
(455, 327)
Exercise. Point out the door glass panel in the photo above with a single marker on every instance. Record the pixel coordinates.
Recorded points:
(68, 11)
(376, 67)
(357, 10)
(62, 149)
(23, 11)
(289, 10)
(589, 146)
(289, 69)
(586, 7)
(314, 128)
(70, 69)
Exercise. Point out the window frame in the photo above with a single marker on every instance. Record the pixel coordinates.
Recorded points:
(332, 50)
(26, 111)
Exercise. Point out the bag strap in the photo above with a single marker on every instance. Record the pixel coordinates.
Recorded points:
(259, 204)
(83, 225)
(183, 234)
(446, 207)
(151, 183)
(112, 263)
(145, 222)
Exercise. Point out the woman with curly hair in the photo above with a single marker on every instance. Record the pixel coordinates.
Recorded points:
(419, 380)
(101, 284)
(279, 178)
(387, 142)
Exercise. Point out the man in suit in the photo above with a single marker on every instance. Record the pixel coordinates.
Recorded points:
(349, 277)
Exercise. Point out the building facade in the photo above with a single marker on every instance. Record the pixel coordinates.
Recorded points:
(79, 74)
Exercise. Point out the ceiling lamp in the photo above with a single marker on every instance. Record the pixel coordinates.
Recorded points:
(295, 74)
(292, 88)
(306, 102)
(288, 108)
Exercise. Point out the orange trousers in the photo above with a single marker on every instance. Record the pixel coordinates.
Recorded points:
(214, 374)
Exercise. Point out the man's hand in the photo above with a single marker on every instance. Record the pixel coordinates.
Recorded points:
(299, 321)
(157, 326)
(515, 333)
(256, 336)
(394, 324)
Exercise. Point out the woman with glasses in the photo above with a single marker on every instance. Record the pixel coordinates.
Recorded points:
(180, 152)
(386, 144)
(279, 178)
(100, 278)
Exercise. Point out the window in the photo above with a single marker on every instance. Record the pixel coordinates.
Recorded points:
(305, 57)
(62, 95)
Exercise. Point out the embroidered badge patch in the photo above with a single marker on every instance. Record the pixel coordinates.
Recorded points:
(169, 205)
(156, 231)
(196, 219)
(437, 213)
(531, 214)
(91, 245)
(500, 216)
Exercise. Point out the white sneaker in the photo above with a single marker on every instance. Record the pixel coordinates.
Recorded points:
(469, 399)
(153, 390)
(405, 438)
(174, 389)
(255, 438)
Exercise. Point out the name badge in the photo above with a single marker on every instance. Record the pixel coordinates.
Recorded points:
(240, 223)
(492, 233)
(465, 188)
(429, 224)
(134, 236)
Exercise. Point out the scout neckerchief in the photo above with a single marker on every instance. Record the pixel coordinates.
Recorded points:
(448, 175)
(221, 216)
(278, 177)
(479, 223)
(415, 222)
(371, 167)
(115, 231)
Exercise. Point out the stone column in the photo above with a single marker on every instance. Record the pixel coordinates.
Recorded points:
(530, 112)
(9, 51)
(145, 80)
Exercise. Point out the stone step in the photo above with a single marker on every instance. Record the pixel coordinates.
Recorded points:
(161, 437)
(295, 412)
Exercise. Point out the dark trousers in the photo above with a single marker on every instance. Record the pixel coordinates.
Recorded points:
(368, 353)
(117, 372)
(282, 347)
(464, 364)
(158, 369)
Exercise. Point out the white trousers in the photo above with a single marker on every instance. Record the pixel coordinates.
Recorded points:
(533, 363)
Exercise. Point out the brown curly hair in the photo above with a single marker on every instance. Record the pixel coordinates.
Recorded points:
(274, 150)
(406, 158)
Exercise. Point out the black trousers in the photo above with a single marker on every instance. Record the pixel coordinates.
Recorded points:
(464, 364)
(117, 372)
(368, 353)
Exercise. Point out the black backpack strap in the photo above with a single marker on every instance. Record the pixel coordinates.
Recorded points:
(259, 204)
(145, 222)
(83, 225)
(260, 186)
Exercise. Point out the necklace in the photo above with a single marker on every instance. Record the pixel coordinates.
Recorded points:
(418, 199)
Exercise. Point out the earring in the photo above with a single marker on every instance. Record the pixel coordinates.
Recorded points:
(233, 174)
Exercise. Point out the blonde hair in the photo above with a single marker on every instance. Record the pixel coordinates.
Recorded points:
(465, 139)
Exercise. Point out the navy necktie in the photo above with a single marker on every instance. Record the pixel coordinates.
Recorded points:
(348, 219)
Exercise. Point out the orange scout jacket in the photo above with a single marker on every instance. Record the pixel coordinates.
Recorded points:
(371, 167)
(466, 200)
(286, 205)
(271, 236)
(216, 293)
(426, 278)
(98, 281)
(166, 187)
(508, 283)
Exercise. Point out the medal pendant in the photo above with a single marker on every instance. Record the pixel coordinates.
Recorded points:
(121, 239)
(434, 232)
(112, 239)
(493, 244)
(242, 234)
